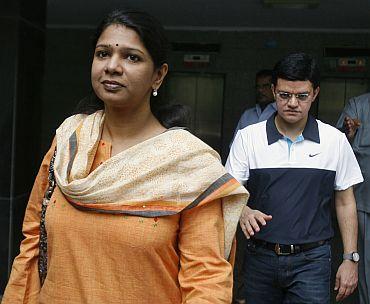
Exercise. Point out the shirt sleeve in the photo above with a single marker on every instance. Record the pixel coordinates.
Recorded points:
(24, 284)
(238, 127)
(348, 172)
(205, 276)
(349, 110)
(237, 163)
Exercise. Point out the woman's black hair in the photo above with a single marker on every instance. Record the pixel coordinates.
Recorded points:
(153, 37)
(148, 28)
(89, 104)
(171, 115)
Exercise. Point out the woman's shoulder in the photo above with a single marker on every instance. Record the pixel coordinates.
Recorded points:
(71, 123)
(73, 120)
(184, 140)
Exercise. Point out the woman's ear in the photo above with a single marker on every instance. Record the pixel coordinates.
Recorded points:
(160, 74)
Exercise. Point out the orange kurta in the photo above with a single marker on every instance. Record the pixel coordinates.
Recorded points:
(105, 258)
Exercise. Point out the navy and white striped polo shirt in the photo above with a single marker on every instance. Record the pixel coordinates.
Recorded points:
(293, 181)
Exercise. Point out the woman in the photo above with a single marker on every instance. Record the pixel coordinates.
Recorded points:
(141, 213)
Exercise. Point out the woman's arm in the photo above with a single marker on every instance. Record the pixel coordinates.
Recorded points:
(24, 283)
(205, 276)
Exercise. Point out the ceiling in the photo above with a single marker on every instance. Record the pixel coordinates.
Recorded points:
(231, 15)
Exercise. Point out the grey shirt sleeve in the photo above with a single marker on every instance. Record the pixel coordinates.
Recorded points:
(349, 110)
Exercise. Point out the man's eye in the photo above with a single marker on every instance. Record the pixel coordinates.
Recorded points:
(284, 95)
(302, 96)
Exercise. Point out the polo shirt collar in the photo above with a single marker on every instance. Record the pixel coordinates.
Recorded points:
(273, 135)
(310, 132)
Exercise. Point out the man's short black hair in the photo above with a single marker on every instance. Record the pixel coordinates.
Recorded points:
(297, 67)
(263, 73)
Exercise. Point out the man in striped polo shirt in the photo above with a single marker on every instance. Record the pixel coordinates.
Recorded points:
(291, 165)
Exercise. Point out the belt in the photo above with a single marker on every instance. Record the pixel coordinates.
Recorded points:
(282, 249)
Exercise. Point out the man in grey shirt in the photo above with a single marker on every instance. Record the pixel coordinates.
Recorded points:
(265, 103)
(355, 122)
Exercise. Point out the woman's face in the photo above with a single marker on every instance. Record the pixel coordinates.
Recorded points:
(122, 72)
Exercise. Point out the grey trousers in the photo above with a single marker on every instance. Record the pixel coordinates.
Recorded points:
(364, 251)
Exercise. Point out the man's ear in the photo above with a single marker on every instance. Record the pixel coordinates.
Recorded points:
(315, 93)
(273, 90)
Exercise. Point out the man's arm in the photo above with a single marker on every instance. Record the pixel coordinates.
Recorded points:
(350, 127)
(347, 275)
(251, 220)
(238, 166)
(348, 121)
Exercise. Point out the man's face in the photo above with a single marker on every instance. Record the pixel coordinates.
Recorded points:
(294, 99)
(263, 90)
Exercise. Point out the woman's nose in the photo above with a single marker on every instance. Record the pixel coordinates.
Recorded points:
(114, 66)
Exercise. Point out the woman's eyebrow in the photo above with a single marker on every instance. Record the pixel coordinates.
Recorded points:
(127, 48)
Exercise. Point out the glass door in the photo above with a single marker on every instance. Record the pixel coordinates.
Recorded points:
(335, 92)
(203, 94)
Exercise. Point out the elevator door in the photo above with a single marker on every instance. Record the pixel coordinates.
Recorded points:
(335, 92)
(203, 94)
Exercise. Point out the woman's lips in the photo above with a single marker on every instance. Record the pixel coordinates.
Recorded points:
(111, 85)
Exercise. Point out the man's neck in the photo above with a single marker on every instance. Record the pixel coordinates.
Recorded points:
(290, 130)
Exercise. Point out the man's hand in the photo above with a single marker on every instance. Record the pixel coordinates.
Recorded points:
(346, 279)
(350, 126)
(251, 220)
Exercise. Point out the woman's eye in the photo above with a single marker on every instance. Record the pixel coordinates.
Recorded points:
(133, 58)
(101, 54)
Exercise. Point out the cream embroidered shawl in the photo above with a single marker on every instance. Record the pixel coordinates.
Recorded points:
(160, 176)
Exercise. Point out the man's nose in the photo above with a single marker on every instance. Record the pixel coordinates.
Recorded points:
(293, 101)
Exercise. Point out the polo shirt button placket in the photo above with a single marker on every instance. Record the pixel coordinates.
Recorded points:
(292, 153)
